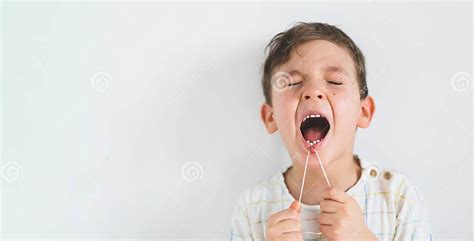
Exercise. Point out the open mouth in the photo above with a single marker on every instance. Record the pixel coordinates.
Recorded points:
(314, 128)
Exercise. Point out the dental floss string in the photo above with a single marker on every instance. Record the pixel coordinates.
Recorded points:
(304, 177)
(302, 182)
(322, 167)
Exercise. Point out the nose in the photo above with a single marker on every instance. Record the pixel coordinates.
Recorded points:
(308, 96)
(313, 92)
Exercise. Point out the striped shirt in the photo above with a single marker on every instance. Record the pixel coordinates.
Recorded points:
(392, 206)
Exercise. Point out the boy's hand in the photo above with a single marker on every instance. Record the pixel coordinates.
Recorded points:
(341, 217)
(285, 225)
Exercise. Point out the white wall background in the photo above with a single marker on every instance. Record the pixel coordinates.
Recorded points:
(102, 157)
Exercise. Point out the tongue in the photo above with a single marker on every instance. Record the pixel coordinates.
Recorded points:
(312, 134)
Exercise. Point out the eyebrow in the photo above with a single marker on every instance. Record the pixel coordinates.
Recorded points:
(295, 71)
(336, 69)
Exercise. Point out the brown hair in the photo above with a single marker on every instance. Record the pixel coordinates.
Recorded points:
(282, 44)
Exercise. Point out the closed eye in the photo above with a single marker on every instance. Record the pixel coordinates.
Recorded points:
(296, 83)
(334, 82)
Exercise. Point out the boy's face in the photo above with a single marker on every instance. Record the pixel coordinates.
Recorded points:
(318, 79)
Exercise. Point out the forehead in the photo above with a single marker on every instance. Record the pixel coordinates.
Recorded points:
(319, 54)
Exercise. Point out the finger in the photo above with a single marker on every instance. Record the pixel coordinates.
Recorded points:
(335, 194)
(289, 226)
(326, 230)
(330, 206)
(287, 214)
(327, 218)
(296, 205)
(293, 236)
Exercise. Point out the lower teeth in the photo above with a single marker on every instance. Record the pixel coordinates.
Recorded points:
(313, 142)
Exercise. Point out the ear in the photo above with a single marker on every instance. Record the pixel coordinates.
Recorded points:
(367, 110)
(266, 114)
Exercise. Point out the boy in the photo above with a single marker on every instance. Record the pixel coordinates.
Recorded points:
(316, 97)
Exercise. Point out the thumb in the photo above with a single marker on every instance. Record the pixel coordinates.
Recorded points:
(296, 206)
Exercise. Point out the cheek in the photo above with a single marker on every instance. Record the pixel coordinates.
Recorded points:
(284, 108)
(346, 109)
(283, 101)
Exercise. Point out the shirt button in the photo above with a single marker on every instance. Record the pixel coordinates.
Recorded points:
(373, 172)
(387, 175)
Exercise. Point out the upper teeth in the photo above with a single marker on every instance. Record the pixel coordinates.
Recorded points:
(311, 116)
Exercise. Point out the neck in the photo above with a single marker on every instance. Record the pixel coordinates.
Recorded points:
(342, 173)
